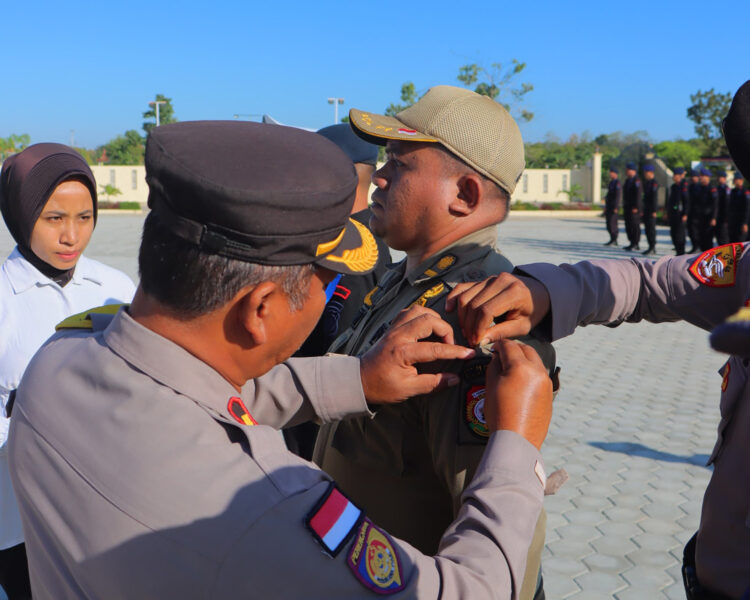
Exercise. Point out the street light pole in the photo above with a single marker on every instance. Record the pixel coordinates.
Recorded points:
(335, 102)
(157, 103)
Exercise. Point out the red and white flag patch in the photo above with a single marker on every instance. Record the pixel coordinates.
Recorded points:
(333, 520)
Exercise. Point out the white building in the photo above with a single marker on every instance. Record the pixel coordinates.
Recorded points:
(535, 185)
(129, 179)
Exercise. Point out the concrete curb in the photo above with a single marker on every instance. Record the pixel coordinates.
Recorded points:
(556, 214)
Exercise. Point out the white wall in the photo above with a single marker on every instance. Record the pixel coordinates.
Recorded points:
(545, 185)
(130, 180)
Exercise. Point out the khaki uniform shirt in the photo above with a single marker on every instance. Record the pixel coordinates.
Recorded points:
(142, 473)
(410, 463)
(703, 291)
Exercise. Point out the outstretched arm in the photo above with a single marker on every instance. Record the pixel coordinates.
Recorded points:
(701, 290)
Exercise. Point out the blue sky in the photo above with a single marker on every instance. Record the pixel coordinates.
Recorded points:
(600, 66)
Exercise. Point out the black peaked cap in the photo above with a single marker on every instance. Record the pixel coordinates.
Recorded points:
(266, 194)
(736, 127)
(357, 149)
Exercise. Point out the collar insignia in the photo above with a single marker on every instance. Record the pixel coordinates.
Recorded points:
(237, 409)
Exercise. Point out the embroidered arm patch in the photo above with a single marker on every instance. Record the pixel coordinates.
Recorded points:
(333, 520)
(717, 267)
(374, 561)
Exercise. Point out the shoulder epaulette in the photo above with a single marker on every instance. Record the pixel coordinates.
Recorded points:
(84, 320)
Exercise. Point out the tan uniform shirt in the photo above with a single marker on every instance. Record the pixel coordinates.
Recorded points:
(140, 474)
(703, 291)
(410, 463)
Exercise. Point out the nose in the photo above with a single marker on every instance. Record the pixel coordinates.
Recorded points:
(379, 178)
(69, 234)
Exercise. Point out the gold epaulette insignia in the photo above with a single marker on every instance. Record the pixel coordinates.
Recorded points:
(444, 263)
(368, 298)
(435, 290)
(82, 320)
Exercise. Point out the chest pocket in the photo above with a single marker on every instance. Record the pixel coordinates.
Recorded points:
(735, 379)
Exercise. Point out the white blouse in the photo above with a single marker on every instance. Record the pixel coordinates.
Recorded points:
(30, 307)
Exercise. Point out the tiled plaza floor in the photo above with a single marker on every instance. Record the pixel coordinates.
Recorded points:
(633, 425)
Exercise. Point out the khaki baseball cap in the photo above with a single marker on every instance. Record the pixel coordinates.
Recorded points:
(473, 127)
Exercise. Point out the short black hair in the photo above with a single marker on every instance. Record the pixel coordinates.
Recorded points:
(190, 282)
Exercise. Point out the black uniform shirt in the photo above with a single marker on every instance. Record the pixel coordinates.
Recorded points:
(632, 194)
(678, 204)
(614, 191)
(649, 196)
(739, 205)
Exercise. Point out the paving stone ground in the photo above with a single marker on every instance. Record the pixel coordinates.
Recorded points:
(633, 425)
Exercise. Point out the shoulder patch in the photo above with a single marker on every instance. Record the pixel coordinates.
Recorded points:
(333, 520)
(374, 560)
(717, 267)
(474, 411)
(83, 319)
(237, 409)
(436, 290)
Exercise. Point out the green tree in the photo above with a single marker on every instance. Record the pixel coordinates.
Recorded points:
(108, 191)
(12, 144)
(707, 111)
(497, 82)
(408, 97)
(89, 155)
(166, 113)
(125, 149)
(574, 193)
(678, 153)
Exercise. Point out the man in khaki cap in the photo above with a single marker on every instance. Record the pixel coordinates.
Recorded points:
(453, 161)
(143, 447)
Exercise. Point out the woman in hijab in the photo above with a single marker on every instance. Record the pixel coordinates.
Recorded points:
(48, 201)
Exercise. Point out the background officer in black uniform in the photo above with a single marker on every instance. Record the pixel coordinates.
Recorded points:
(722, 227)
(692, 220)
(739, 210)
(706, 210)
(612, 206)
(649, 208)
(632, 195)
(677, 205)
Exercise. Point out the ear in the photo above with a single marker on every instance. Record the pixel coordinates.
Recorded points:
(255, 311)
(469, 194)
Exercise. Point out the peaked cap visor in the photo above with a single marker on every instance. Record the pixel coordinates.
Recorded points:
(378, 129)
